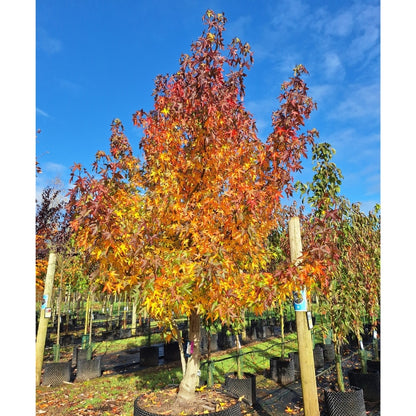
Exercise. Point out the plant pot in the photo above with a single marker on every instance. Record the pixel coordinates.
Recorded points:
(225, 341)
(373, 366)
(348, 403)
(125, 333)
(75, 355)
(84, 354)
(268, 331)
(369, 383)
(295, 358)
(329, 352)
(289, 326)
(234, 410)
(171, 351)
(204, 342)
(149, 356)
(318, 357)
(56, 373)
(244, 387)
(252, 333)
(282, 370)
(88, 369)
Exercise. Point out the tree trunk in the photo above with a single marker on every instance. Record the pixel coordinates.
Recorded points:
(91, 317)
(125, 311)
(182, 354)
(43, 322)
(134, 318)
(363, 353)
(191, 377)
(282, 328)
(87, 314)
(58, 326)
(68, 309)
(239, 358)
(338, 366)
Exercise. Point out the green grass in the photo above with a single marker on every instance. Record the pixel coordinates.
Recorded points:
(256, 358)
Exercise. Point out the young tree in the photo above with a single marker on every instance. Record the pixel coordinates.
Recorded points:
(351, 253)
(189, 227)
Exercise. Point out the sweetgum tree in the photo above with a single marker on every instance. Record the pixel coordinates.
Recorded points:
(193, 220)
(350, 253)
(213, 187)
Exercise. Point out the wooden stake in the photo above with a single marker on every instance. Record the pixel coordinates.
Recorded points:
(43, 322)
(306, 361)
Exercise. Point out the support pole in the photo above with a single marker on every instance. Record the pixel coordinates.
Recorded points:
(306, 361)
(43, 322)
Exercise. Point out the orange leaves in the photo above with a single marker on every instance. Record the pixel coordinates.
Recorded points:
(190, 226)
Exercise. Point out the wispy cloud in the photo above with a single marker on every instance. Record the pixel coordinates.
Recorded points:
(359, 102)
(333, 66)
(41, 112)
(69, 86)
(47, 43)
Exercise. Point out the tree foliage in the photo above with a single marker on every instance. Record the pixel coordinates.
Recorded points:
(189, 227)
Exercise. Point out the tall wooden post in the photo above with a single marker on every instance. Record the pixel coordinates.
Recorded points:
(306, 361)
(43, 322)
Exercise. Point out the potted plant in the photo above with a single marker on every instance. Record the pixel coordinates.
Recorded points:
(149, 354)
(240, 383)
(333, 226)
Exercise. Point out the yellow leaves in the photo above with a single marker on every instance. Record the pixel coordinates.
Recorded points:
(210, 37)
(165, 157)
(165, 111)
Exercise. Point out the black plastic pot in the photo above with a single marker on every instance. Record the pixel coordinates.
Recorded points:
(225, 341)
(149, 356)
(234, 410)
(318, 357)
(56, 373)
(244, 387)
(329, 352)
(125, 333)
(171, 351)
(282, 370)
(88, 369)
(348, 403)
(373, 366)
(84, 354)
(268, 331)
(295, 357)
(369, 383)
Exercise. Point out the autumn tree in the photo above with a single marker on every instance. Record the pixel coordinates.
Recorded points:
(350, 253)
(189, 226)
(51, 229)
(213, 188)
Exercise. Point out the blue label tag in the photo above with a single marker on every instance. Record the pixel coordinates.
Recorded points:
(44, 301)
(299, 301)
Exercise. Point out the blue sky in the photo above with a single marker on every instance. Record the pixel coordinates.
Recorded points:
(97, 60)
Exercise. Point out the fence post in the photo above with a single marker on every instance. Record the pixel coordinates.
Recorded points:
(306, 361)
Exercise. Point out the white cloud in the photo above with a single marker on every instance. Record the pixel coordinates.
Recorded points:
(47, 43)
(333, 66)
(341, 25)
(41, 112)
(69, 86)
(361, 102)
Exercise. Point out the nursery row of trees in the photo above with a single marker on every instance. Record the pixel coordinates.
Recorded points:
(198, 228)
